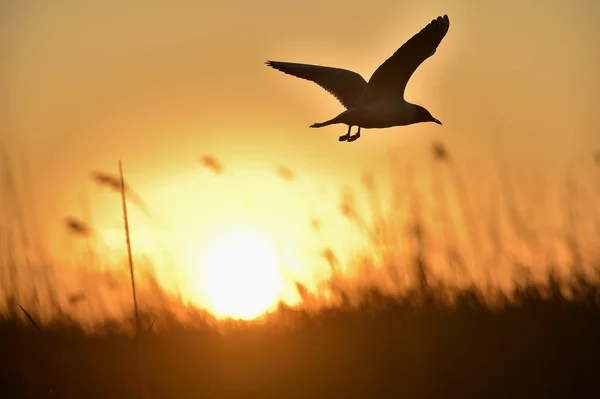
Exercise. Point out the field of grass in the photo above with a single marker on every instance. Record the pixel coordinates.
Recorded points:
(538, 338)
(538, 345)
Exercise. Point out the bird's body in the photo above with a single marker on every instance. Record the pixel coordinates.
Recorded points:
(379, 103)
(376, 115)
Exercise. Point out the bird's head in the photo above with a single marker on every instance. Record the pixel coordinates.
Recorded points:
(422, 115)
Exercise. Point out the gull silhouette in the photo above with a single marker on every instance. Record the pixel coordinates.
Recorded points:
(379, 103)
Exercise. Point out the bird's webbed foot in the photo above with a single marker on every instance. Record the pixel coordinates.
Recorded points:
(346, 136)
(354, 136)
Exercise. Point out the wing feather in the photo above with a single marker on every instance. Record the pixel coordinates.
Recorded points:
(390, 79)
(346, 86)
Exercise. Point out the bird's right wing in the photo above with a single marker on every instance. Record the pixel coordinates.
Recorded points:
(346, 86)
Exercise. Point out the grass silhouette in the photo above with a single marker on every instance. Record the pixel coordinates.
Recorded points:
(540, 343)
(419, 336)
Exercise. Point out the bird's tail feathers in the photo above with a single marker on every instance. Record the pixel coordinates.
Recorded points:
(326, 123)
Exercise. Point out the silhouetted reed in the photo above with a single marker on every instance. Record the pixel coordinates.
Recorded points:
(107, 180)
(118, 185)
(77, 226)
(439, 152)
(347, 208)
(213, 164)
(114, 183)
(136, 313)
(331, 259)
(31, 320)
(285, 173)
(316, 224)
(302, 291)
(77, 298)
(517, 221)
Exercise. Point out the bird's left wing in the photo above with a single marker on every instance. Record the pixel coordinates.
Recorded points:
(346, 86)
(390, 79)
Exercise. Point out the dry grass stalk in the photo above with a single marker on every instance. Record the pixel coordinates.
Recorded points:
(213, 164)
(107, 180)
(285, 173)
(77, 226)
(32, 320)
(440, 153)
(143, 383)
(117, 185)
(316, 224)
(121, 184)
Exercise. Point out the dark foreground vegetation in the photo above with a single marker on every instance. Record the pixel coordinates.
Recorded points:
(543, 342)
(538, 341)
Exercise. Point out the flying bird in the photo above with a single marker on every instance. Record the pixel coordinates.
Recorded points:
(379, 103)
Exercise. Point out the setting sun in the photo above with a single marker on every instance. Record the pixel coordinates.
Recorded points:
(240, 276)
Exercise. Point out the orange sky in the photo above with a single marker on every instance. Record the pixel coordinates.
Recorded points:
(159, 84)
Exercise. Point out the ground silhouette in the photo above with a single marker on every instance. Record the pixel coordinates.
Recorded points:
(539, 344)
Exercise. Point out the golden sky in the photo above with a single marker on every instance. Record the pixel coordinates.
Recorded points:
(159, 84)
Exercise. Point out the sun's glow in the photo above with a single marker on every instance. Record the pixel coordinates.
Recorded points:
(240, 277)
(114, 239)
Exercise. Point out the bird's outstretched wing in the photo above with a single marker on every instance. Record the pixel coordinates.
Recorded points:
(390, 79)
(346, 86)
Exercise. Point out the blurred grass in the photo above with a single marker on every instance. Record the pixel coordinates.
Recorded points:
(401, 329)
(538, 344)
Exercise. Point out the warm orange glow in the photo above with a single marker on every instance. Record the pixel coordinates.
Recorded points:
(239, 275)
(211, 139)
(114, 239)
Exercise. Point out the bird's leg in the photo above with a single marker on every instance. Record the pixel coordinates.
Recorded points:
(354, 136)
(346, 136)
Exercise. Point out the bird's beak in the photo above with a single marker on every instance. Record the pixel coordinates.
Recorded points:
(438, 122)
